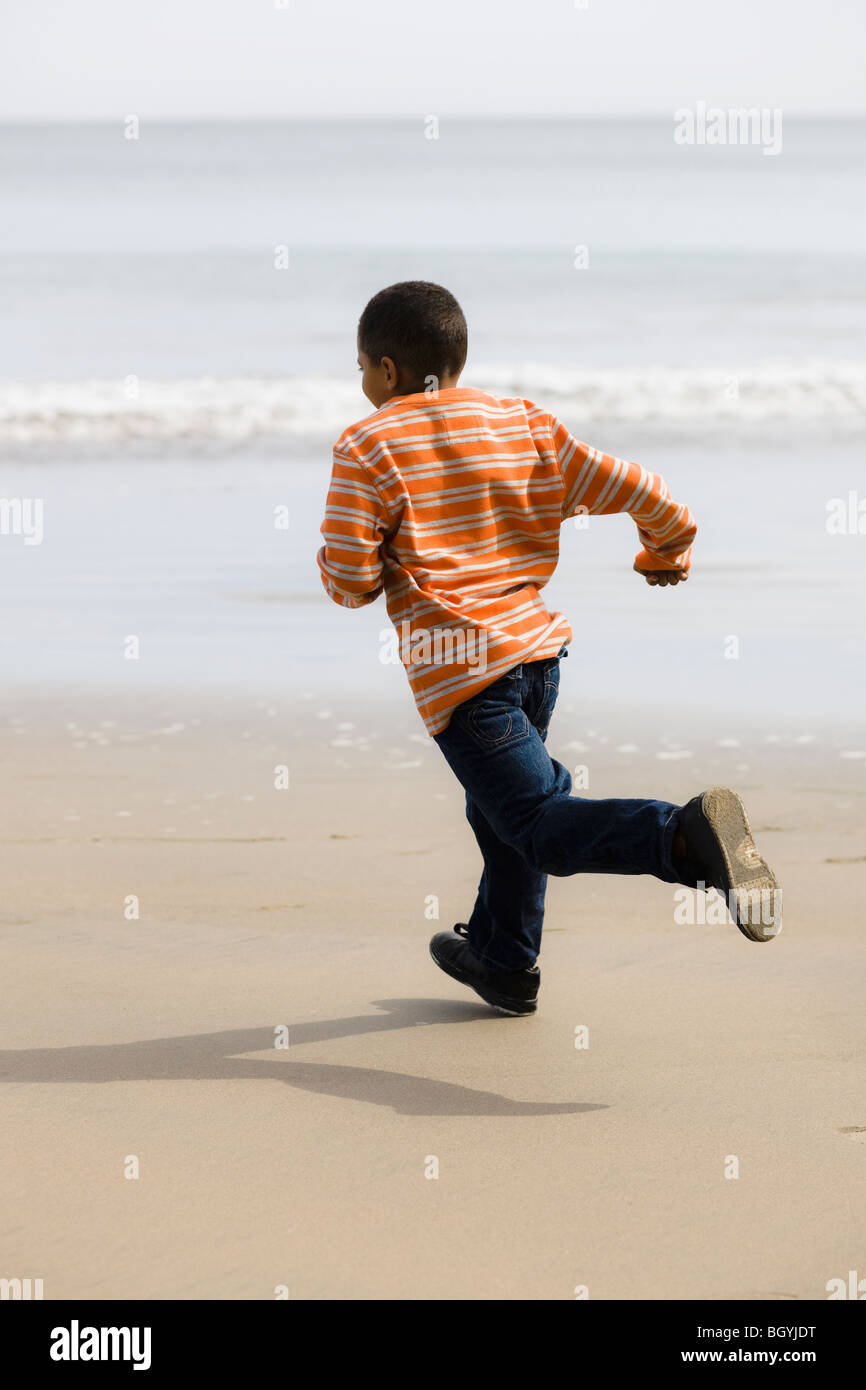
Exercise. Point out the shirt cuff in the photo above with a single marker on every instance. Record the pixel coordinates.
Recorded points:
(647, 562)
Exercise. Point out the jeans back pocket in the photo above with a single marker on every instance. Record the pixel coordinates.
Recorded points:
(496, 726)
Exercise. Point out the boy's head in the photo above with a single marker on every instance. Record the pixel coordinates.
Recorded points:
(411, 337)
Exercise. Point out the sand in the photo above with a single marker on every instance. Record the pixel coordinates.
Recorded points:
(306, 1167)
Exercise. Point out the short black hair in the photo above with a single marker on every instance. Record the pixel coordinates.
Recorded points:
(417, 324)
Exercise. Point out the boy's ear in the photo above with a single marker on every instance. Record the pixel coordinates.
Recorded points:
(390, 369)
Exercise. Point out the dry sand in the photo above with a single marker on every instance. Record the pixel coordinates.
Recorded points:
(305, 1166)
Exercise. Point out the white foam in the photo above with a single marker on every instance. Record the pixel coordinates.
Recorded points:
(238, 408)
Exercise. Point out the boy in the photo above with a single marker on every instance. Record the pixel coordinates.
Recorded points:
(450, 501)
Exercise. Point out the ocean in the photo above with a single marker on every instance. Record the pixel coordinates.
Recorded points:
(179, 355)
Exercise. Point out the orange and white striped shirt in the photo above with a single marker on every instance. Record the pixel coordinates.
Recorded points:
(451, 503)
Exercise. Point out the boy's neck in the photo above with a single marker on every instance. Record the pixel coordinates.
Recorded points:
(447, 383)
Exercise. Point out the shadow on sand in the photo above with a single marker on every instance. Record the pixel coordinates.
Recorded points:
(218, 1057)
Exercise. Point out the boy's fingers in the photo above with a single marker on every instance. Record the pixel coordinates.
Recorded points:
(665, 577)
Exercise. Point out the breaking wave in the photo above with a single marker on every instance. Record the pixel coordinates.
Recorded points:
(239, 408)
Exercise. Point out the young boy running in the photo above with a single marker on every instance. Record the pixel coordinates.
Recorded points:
(450, 501)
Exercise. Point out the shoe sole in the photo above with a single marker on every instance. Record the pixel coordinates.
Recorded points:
(500, 1002)
(753, 893)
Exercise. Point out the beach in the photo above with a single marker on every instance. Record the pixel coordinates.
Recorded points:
(261, 1165)
(228, 1066)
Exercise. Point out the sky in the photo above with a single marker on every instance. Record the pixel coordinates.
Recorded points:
(247, 59)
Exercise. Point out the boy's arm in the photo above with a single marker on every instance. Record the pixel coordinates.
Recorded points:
(598, 484)
(355, 523)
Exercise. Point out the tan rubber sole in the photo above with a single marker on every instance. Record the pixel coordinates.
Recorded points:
(753, 894)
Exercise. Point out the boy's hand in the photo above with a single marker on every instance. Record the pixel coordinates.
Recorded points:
(663, 577)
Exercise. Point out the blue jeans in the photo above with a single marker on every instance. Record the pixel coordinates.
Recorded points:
(526, 823)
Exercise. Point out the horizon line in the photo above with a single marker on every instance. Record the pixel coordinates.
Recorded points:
(403, 117)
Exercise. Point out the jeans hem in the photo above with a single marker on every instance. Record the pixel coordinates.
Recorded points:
(669, 830)
(497, 965)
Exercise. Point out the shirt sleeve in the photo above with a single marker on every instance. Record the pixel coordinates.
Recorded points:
(597, 484)
(355, 523)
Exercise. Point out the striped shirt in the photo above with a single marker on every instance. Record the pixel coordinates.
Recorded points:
(451, 503)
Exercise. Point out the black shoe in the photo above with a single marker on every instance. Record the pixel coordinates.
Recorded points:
(721, 854)
(510, 991)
